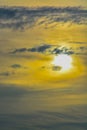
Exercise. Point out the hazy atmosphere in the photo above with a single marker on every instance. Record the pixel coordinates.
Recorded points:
(43, 64)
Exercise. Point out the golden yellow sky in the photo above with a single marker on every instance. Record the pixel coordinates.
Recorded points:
(30, 39)
(44, 2)
(68, 32)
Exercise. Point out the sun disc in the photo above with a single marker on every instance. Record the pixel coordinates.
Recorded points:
(64, 61)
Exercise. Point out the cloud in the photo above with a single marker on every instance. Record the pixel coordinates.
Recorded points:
(19, 50)
(77, 42)
(82, 50)
(52, 50)
(16, 66)
(62, 50)
(6, 73)
(43, 120)
(56, 68)
(41, 48)
(15, 103)
(11, 91)
(23, 17)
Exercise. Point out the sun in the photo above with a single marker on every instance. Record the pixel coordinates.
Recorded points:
(64, 61)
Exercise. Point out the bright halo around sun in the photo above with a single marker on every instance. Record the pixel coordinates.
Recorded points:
(64, 61)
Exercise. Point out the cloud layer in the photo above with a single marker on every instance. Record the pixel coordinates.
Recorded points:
(40, 121)
(21, 17)
(13, 97)
(52, 49)
(15, 112)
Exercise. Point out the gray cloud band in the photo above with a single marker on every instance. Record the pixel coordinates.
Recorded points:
(52, 49)
(23, 18)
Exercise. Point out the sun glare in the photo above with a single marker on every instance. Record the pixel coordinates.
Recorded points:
(64, 61)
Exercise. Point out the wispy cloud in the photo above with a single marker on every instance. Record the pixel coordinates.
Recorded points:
(16, 101)
(16, 66)
(44, 120)
(77, 42)
(11, 91)
(6, 73)
(22, 17)
(52, 50)
(56, 68)
(19, 50)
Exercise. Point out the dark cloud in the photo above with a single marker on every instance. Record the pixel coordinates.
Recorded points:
(21, 17)
(41, 48)
(56, 68)
(82, 50)
(52, 49)
(62, 50)
(43, 120)
(19, 50)
(16, 66)
(6, 73)
(11, 91)
(15, 103)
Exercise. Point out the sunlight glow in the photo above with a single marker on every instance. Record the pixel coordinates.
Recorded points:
(64, 61)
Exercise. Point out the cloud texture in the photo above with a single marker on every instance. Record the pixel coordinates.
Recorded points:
(52, 49)
(21, 17)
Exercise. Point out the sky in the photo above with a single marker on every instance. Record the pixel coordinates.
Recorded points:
(44, 3)
(43, 66)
